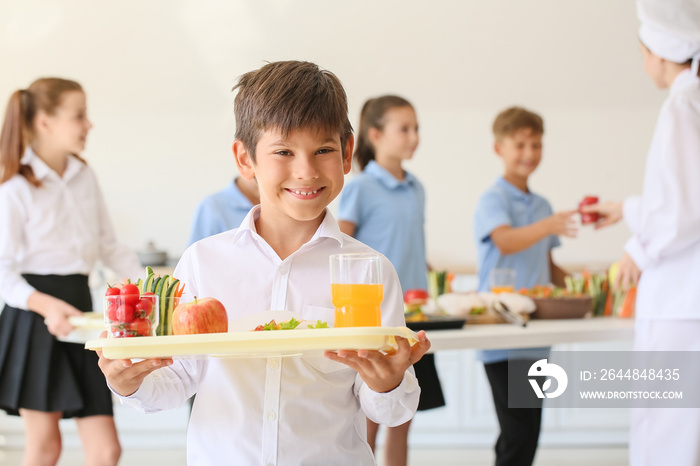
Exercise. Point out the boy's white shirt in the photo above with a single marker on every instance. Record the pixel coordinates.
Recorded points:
(665, 219)
(297, 410)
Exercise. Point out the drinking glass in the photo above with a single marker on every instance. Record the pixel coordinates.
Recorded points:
(502, 280)
(356, 289)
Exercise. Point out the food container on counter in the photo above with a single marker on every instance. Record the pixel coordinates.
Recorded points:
(562, 308)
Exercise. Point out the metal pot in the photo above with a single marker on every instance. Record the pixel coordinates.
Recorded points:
(153, 256)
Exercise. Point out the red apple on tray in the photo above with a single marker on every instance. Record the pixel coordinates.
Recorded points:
(205, 315)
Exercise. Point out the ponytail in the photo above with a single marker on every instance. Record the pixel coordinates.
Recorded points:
(43, 94)
(13, 138)
(364, 151)
(372, 116)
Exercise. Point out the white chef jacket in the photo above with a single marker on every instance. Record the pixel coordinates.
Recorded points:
(665, 219)
(287, 411)
(60, 228)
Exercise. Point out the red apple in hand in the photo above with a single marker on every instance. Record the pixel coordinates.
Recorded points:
(206, 315)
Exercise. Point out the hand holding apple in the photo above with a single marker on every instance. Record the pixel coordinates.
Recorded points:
(205, 315)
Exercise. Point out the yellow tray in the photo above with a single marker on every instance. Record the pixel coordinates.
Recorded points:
(252, 344)
(89, 320)
(87, 327)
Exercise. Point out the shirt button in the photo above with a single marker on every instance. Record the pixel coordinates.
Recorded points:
(274, 365)
(271, 416)
(284, 268)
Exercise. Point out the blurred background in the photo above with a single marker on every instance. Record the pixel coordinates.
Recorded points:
(158, 76)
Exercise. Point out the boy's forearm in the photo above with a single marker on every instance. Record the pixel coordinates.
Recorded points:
(510, 240)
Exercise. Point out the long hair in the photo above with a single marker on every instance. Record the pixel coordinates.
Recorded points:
(45, 95)
(372, 116)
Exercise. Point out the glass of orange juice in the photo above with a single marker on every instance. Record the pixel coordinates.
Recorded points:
(356, 289)
(502, 280)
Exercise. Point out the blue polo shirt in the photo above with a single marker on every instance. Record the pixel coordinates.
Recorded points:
(389, 217)
(219, 212)
(505, 204)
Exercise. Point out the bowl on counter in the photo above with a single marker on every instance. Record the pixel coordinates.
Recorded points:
(565, 307)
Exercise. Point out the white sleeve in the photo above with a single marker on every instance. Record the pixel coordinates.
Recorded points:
(166, 388)
(631, 212)
(14, 290)
(669, 211)
(392, 408)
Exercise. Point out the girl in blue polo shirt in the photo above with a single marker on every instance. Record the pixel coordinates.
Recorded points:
(384, 207)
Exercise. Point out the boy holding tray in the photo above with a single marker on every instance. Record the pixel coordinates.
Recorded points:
(293, 136)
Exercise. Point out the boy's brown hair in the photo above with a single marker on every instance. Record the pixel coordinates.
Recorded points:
(513, 119)
(289, 95)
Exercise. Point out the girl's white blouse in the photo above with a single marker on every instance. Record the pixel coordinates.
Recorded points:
(60, 228)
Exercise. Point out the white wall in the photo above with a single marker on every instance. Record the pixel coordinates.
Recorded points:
(158, 74)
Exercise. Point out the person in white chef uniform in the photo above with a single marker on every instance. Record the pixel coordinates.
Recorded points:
(663, 254)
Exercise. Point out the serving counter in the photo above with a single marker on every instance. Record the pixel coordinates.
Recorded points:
(536, 333)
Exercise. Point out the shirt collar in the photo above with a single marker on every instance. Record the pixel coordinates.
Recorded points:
(684, 79)
(386, 178)
(41, 170)
(512, 190)
(328, 229)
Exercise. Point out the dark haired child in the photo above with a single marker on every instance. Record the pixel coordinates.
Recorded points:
(293, 136)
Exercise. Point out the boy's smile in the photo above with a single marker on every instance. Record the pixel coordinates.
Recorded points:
(298, 174)
(521, 153)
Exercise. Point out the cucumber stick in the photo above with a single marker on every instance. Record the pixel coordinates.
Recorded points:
(154, 285)
(167, 305)
(159, 287)
(147, 284)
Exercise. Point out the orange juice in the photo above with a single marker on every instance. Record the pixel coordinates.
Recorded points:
(502, 289)
(357, 305)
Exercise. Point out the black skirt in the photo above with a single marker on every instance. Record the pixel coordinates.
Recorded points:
(41, 373)
(430, 389)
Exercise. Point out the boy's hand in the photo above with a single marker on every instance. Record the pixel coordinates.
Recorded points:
(383, 372)
(562, 223)
(610, 213)
(125, 376)
(627, 274)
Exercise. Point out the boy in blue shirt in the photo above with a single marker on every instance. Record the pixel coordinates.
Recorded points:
(516, 229)
(224, 210)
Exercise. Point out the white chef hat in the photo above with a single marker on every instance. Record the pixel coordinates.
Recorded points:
(671, 29)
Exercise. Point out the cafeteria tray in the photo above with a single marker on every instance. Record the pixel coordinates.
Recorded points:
(252, 344)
